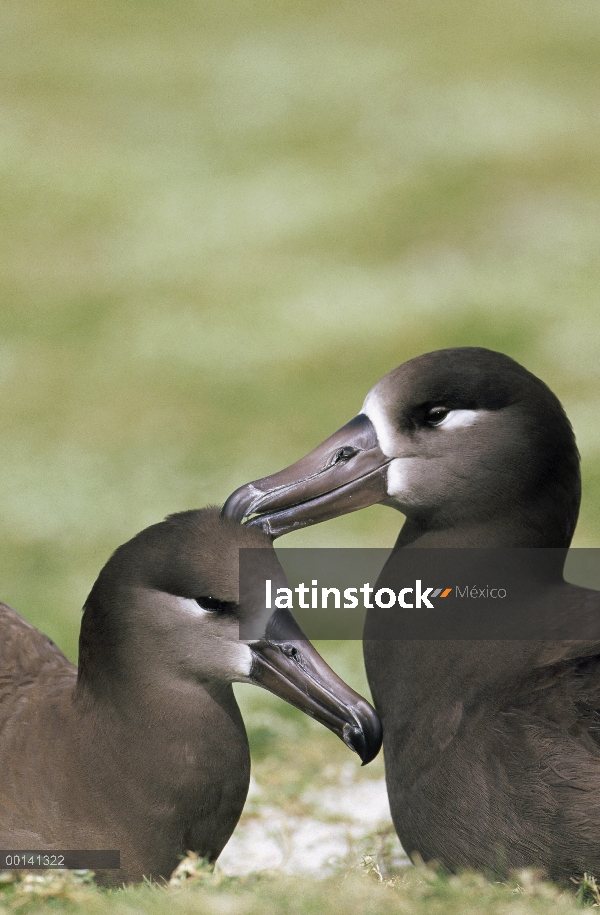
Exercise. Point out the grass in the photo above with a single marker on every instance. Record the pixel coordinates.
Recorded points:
(363, 889)
(218, 231)
(219, 226)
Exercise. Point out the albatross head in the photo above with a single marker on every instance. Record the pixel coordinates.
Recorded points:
(453, 438)
(165, 614)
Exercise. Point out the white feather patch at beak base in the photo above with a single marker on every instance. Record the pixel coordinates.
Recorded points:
(398, 485)
(375, 411)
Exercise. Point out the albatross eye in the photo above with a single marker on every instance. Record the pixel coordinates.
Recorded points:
(213, 603)
(436, 415)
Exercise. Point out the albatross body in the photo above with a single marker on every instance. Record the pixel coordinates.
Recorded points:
(142, 749)
(492, 747)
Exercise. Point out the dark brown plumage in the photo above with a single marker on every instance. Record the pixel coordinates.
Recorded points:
(143, 749)
(492, 748)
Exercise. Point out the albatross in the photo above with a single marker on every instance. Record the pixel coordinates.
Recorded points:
(492, 747)
(142, 748)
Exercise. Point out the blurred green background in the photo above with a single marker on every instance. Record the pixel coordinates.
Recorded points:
(221, 223)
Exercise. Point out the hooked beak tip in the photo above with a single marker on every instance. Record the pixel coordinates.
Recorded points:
(364, 740)
(354, 738)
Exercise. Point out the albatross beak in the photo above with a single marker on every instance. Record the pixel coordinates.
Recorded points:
(348, 471)
(285, 663)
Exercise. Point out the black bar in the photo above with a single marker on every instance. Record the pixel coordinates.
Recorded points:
(520, 594)
(38, 859)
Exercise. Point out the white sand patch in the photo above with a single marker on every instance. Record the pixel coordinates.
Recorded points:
(345, 816)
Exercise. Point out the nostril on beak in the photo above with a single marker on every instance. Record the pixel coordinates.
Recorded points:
(294, 654)
(290, 651)
(344, 454)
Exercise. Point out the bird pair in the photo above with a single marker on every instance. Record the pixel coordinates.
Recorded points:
(491, 747)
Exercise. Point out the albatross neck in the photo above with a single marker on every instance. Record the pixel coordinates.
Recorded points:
(515, 529)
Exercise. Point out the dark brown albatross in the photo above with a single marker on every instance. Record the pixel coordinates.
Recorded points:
(143, 749)
(492, 748)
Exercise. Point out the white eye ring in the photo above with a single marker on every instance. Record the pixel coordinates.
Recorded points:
(455, 419)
